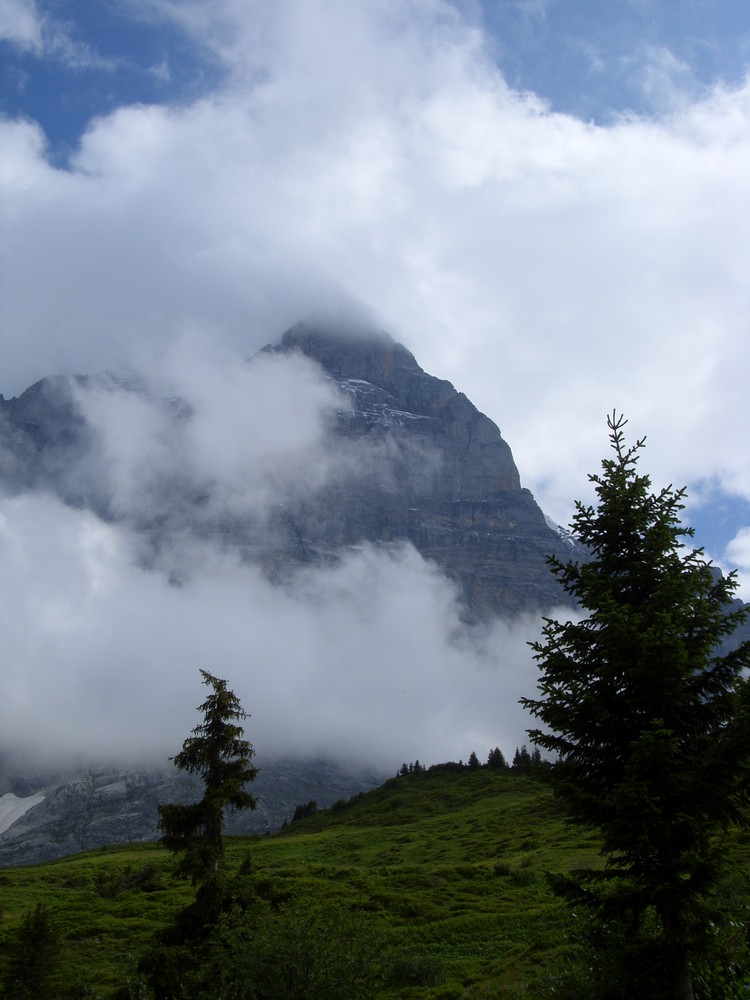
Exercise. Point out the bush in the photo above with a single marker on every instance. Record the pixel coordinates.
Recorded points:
(33, 955)
(302, 812)
(287, 953)
(414, 970)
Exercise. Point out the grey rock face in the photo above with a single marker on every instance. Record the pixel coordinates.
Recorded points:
(106, 805)
(433, 471)
(423, 466)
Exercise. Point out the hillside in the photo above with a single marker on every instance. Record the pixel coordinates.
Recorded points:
(435, 882)
(435, 866)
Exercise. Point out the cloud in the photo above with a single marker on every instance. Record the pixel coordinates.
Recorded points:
(21, 25)
(738, 555)
(221, 437)
(664, 80)
(550, 268)
(365, 661)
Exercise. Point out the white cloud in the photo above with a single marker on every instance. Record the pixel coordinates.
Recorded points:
(20, 24)
(551, 269)
(664, 80)
(242, 436)
(738, 555)
(25, 26)
(362, 660)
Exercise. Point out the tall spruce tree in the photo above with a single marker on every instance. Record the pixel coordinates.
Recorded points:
(648, 715)
(219, 754)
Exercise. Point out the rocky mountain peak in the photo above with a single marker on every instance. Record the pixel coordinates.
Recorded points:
(391, 395)
(419, 465)
(373, 356)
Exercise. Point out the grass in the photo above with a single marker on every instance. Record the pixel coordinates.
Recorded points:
(444, 869)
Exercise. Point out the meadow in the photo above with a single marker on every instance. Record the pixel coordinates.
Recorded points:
(434, 884)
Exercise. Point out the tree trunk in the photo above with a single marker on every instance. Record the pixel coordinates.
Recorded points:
(677, 967)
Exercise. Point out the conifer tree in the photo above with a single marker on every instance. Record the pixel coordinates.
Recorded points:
(218, 753)
(648, 715)
(33, 955)
(221, 756)
(521, 761)
(496, 760)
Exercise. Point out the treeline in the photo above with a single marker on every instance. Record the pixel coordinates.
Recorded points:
(523, 763)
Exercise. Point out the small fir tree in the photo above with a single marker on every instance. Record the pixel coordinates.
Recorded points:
(33, 956)
(648, 715)
(521, 761)
(219, 754)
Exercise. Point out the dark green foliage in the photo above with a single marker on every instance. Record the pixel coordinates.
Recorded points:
(523, 761)
(415, 768)
(473, 764)
(650, 725)
(301, 812)
(407, 970)
(33, 953)
(496, 760)
(111, 884)
(291, 953)
(447, 765)
(219, 754)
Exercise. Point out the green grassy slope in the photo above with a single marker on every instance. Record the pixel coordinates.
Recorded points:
(444, 869)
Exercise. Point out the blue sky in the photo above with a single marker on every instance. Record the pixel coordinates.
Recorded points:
(596, 61)
(68, 61)
(545, 200)
(86, 59)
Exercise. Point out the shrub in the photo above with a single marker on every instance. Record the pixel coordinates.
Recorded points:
(32, 957)
(414, 970)
(270, 953)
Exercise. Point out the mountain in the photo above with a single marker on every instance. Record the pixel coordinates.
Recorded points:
(409, 460)
(434, 471)
(422, 466)
(86, 809)
(405, 459)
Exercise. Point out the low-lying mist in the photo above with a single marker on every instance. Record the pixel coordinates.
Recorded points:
(363, 660)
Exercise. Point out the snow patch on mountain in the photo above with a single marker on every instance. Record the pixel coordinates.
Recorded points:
(13, 808)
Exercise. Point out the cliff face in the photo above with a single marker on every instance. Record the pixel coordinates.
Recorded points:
(393, 398)
(433, 471)
(417, 463)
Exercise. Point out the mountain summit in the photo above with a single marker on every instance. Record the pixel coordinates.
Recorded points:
(412, 460)
(432, 471)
